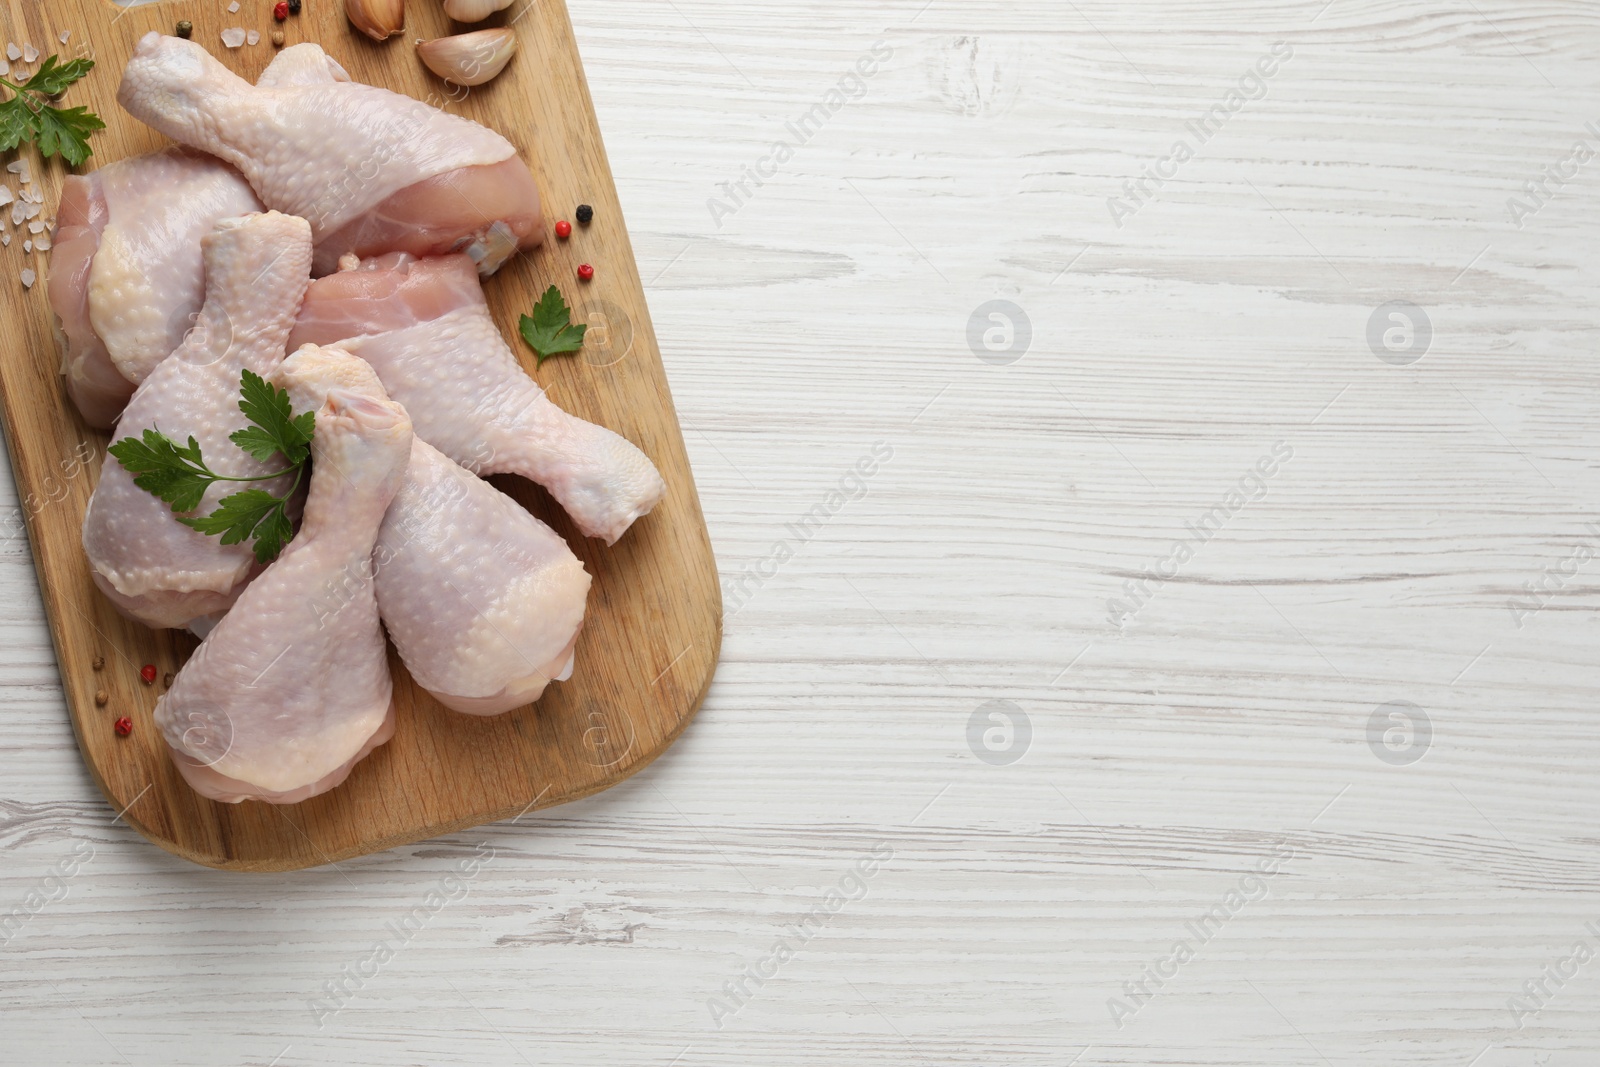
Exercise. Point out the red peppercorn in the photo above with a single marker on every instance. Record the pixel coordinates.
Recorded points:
(148, 673)
(123, 726)
(281, 10)
(563, 229)
(586, 272)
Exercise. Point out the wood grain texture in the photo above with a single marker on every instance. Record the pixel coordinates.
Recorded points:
(1166, 758)
(652, 635)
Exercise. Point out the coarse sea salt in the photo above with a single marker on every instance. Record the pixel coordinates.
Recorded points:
(6, 195)
(27, 246)
(233, 8)
(20, 167)
(252, 38)
(42, 243)
(36, 226)
(29, 53)
(233, 36)
(5, 239)
(66, 35)
(13, 53)
(28, 278)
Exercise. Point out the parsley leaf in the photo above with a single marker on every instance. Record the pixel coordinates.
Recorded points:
(175, 474)
(67, 133)
(252, 513)
(178, 474)
(29, 116)
(549, 331)
(53, 79)
(276, 430)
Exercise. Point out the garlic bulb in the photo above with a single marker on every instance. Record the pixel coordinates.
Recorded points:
(469, 58)
(378, 19)
(474, 10)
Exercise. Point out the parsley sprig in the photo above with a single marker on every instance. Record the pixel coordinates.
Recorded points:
(29, 115)
(549, 331)
(178, 474)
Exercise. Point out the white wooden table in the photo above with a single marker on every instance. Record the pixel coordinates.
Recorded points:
(1308, 773)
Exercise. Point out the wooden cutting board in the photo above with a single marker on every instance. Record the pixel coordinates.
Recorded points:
(647, 653)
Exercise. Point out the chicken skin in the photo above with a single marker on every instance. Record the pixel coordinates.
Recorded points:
(151, 566)
(287, 694)
(126, 280)
(424, 326)
(482, 600)
(371, 170)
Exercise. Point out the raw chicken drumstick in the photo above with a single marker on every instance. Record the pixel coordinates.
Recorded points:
(151, 566)
(373, 171)
(286, 695)
(126, 279)
(483, 601)
(425, 328)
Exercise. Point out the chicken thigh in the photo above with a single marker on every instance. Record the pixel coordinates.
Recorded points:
(126, 279)
(483, 601)
(426, 329)
(287, 694)
(373, 171)
(151, 566)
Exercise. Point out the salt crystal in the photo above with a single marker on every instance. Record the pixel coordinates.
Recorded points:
(233, 36)
(29, 53)
(5, 67)
(28, 278)
(65, 36)
(233, 8)
(19, 211)
(13, 53)
(21, 167)
(5, 239)
(27, 246)
(6, 196)
(42, 242)
(31, 211)
(36, 226)
(253, 38)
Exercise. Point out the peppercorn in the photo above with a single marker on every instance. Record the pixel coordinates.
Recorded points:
(99, 663)
(123, 726)
(563, 229)
(166, 680)
(586, 272)
(101, 699)
(186, 29)
(277, 38)
(294, 7)
(148, 673)
(280, 10)
(584, 214)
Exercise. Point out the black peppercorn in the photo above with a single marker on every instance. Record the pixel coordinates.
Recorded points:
(584, 214)
(294, 7)
(185, 29)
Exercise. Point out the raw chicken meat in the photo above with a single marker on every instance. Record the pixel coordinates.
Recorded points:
(373, 171)
(283, 699)
(125, 277)
(302, 64)
(426, 329)
(152, 567)
(483, 601)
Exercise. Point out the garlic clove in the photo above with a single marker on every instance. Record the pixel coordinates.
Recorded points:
(474, 10)
(469, 58)
(378, 19)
